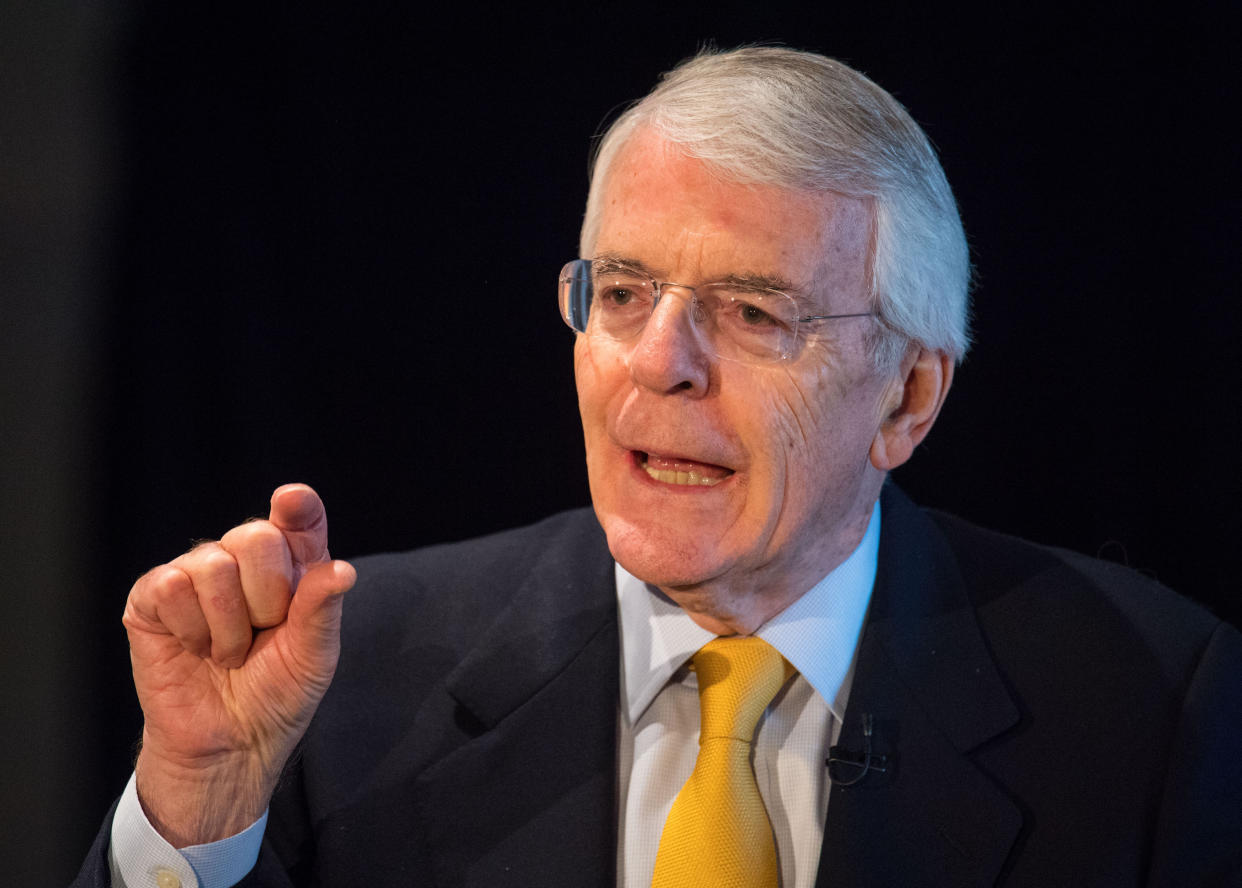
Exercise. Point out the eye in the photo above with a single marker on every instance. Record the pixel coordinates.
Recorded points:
(621, 292)
(753, 316)
(747, 313)
(617, 295)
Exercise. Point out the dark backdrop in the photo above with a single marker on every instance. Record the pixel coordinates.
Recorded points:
(329, 246)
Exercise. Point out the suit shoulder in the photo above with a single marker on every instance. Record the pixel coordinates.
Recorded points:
(1001, 569)
(505, 550)
(457, 584)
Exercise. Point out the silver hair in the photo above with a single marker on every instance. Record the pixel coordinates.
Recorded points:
(776, 116)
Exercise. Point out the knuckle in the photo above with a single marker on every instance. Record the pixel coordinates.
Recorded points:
(259, 542)
(160, 583)
(214, 562)
(158, 592)
(213, 578)
(253, 532)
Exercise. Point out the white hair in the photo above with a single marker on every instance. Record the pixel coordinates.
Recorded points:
(776, 116)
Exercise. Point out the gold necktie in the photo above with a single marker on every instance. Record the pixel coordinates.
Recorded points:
(718, 835)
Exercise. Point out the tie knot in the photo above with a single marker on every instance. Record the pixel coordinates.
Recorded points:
(738, 677)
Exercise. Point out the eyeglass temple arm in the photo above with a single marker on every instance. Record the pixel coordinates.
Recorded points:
(860, 314)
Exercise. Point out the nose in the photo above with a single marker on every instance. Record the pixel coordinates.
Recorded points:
(670, 355)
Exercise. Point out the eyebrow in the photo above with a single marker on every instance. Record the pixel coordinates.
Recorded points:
(615, 262)
(762, 282)
(742, 280)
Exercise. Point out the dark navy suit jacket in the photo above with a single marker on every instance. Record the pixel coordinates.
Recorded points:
(1047, 720)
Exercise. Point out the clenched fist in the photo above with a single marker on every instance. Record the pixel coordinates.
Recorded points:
(233, 645)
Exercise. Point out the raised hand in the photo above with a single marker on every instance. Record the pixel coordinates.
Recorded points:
(233, 645)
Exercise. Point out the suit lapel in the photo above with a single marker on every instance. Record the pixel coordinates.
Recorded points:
(531, 799)
(925, 677)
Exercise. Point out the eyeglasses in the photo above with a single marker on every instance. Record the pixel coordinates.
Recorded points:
(604, 298)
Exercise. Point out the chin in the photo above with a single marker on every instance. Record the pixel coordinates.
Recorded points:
(666, 557)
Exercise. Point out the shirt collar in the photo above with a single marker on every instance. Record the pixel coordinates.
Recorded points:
(818, 633)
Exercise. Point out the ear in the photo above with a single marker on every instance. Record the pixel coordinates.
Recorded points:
(911, 405)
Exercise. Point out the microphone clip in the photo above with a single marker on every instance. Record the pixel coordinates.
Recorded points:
(847, 768)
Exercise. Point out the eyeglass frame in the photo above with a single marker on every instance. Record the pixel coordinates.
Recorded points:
(579, 310)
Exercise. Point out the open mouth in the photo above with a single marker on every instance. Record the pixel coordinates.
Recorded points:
(683, 472)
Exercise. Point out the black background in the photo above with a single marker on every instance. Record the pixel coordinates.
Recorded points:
(332, 236)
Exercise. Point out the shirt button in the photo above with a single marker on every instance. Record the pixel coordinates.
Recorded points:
(167, 879)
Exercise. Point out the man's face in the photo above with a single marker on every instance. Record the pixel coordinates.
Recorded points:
(786, 444)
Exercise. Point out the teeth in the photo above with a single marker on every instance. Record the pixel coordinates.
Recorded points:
(691, 478)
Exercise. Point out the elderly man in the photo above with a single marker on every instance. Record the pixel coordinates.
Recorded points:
(755, 663)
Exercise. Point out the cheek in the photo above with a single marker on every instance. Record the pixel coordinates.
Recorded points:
(589, 379)
(599, 376)
(582, 375)
(802, 407)
(818, 425)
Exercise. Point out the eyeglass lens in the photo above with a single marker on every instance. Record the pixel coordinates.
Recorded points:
(600, 299)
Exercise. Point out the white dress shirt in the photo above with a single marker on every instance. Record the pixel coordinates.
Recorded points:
(658, 725)
(658, 731)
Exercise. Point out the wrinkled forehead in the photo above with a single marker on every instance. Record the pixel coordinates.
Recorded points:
(687, 221)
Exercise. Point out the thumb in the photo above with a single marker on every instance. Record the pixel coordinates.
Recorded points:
(299, 513)
(314, 619)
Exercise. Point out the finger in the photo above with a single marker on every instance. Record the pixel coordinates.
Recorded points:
(163, 601)
(180, 612)
(217, 586)
(300, 515)
(315, 618)
(265, 567)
